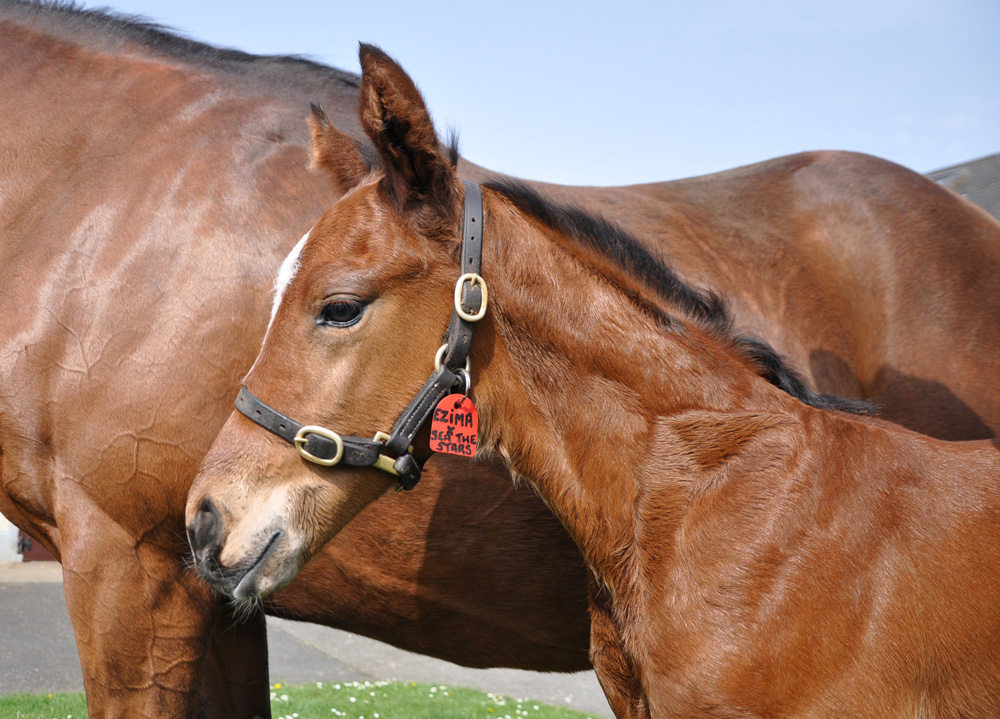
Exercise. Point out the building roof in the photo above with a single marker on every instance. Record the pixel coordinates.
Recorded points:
(976, 180)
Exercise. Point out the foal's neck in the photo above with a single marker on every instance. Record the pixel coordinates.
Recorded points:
(588, 385)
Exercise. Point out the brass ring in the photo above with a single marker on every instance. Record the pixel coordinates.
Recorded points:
(440, 356)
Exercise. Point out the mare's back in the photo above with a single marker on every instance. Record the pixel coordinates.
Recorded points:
(873, 280)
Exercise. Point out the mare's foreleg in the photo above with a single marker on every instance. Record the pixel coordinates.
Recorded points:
(152, 638)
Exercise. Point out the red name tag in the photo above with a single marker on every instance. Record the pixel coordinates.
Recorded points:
(454, 426)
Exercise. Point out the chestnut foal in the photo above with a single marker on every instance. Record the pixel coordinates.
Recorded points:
(757, 554)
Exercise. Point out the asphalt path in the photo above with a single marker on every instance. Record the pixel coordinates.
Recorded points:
(38, 654)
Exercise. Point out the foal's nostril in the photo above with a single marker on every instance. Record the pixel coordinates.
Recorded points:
(203, 534)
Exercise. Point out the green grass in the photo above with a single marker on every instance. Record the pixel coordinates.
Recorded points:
(43, 706)
(339, 700)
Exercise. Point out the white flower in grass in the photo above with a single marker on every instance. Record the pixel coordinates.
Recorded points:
(353, 699)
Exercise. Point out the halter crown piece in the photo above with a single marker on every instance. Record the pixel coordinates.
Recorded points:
(393, 452)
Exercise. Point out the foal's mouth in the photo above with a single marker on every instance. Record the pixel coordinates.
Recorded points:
(239, 580)
(247, 584)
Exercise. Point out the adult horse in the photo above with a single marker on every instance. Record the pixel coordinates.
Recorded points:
(761, 553)
(150, 187)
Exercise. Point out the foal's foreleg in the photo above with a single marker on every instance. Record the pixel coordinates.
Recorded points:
(615, 669)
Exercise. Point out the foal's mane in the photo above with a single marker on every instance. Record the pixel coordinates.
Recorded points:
(106, 24)
(706, 308)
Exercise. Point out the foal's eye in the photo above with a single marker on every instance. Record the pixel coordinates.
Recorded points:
(341, 312)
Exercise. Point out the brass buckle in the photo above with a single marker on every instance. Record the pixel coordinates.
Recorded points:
(473, 279)
(301, 440)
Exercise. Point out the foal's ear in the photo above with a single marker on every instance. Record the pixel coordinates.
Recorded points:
(334, 152)
(393, 113)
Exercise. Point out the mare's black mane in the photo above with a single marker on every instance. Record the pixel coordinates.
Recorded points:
(704, 307)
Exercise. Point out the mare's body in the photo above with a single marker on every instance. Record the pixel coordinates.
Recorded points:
(149, 189)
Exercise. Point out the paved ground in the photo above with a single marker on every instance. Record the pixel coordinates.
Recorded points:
(37, 652)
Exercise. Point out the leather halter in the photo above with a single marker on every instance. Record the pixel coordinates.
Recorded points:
(393, 452)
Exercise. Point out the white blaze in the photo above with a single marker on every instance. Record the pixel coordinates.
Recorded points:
(286, 273)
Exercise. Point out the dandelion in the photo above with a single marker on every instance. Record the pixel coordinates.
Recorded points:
(278, 685)
(319, 685)
(284, 697)
(353, 699)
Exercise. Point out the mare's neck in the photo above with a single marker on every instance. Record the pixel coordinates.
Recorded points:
(586, 392)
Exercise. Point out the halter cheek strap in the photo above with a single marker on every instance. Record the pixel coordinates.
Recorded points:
(393, 452)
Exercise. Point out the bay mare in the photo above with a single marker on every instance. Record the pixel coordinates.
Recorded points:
(150, 187)
(760, 551)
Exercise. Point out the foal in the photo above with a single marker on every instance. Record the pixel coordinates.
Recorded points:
(756, 556)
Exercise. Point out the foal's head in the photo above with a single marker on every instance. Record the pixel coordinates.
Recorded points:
(361, 308)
